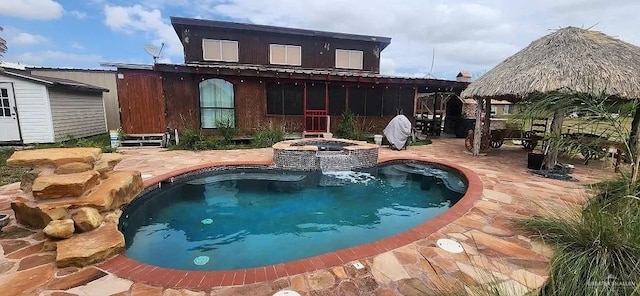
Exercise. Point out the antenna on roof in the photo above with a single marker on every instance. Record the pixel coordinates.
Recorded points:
(154, 51)
(433, 58)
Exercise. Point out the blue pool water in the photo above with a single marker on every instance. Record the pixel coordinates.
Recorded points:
(249, 217)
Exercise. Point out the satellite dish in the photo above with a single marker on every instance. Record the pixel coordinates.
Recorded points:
(154, 51)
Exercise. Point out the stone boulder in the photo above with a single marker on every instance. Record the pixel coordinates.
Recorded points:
(60, 229)
(30, 214)
(107, 162)
(69, 185)
(73, 168)
(90, 247)
(53, 157)
(86, 218)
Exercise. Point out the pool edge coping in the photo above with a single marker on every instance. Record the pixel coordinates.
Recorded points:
(136, 271)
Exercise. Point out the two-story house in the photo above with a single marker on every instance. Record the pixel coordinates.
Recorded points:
(257, 75)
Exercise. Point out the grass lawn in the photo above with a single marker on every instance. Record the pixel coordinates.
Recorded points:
(9, 175)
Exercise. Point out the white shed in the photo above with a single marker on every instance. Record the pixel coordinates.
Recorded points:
(36, 109)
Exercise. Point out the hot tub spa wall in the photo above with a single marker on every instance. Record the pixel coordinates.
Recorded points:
(292, 155)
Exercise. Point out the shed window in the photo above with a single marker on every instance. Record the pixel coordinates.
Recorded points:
(349, 59)
(219, 50)
(5, 108)
(285, 54)
(216, 103)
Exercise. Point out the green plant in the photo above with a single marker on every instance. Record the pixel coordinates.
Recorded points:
(346, 128)
(227, 128)
(266, 137)
(361, 128)
(605, 118)
(189, 137)
(122, 135)
(101, 141)
(597, 248)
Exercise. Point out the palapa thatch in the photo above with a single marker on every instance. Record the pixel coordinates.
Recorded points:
(578, 59)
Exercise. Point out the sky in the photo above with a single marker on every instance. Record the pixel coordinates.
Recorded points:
(429, 38)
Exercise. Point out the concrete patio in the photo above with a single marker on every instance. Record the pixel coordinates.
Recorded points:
(494, 250)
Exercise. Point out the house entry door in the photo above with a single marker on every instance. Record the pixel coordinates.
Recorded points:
(315, 107)
(9, 128)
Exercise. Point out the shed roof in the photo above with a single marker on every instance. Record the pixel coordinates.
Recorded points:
(181, 21)
(50, 81)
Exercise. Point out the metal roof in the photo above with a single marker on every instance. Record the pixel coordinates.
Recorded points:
(312, 74)
(53, 81)
(127, 66)
(176, 21)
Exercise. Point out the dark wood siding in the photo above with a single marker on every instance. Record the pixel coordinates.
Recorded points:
(253, 48)
(141, 102)
(182, 101)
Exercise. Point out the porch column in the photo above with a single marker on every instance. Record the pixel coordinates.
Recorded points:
(477, 132)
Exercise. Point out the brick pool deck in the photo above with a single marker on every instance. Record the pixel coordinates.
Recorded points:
(408, 264)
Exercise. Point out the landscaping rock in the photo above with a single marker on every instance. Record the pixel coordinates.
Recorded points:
(60, 229)
(120, 188)
(29, 214)
(69, 185)
(73, 168)
(90, 247)
(53, 156)
(114, 216)
(86, 218)
(107, 162)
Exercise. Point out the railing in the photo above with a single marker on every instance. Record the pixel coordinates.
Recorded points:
(316, 121)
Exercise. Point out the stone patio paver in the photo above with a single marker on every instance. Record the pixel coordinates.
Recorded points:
(492, 245)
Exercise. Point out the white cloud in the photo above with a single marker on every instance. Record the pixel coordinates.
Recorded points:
(23, 38)
(78, 14)
(62, 58)
(77, 45)
(31, 9)
(136, 19)
(466, 35)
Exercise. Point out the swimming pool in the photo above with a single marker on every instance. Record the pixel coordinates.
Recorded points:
(230, 218)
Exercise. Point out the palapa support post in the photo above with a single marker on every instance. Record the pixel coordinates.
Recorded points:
(634, 144)
(477, 136)
(556, 131)
(487, 119)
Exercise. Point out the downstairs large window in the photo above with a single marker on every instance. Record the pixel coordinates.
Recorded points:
(216, 103)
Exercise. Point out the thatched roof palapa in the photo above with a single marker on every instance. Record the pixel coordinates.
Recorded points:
(573, 58)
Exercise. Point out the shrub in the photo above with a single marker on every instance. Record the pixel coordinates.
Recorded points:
(266, 137)
(346, 128)
(597, 249)
(189, 137)
(226, 128)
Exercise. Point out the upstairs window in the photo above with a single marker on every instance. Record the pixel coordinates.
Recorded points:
(219, 50)
(285, 55)
(349, 59)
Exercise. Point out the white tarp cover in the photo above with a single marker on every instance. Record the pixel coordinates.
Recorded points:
(397, 131)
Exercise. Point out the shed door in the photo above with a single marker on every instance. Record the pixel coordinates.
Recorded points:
(9, 128)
